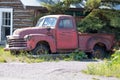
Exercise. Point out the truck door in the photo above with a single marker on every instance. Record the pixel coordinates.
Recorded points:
(66, 34)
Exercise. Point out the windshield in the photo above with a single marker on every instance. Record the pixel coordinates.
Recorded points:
(47, 22)
(40, 22)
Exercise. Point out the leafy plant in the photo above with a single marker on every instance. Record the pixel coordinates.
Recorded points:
(115, 59)
(77, 55)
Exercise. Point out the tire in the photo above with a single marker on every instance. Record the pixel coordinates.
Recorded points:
(40, 50)
(99, 52)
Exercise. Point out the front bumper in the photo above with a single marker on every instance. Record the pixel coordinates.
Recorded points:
(15, 48)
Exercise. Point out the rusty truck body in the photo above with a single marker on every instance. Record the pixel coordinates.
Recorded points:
(58, 33)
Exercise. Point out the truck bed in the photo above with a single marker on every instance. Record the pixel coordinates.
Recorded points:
(84, 40)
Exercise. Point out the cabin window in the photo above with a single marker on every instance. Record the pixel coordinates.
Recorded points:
(6, 19)
(6, 22)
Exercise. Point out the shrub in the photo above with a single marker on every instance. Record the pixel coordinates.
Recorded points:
(77, 55)
(115, 59)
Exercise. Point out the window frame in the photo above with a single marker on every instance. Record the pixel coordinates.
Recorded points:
(6, 19)
(1, 20)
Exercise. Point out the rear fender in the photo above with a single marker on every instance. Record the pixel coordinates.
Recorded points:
(36, 38)
(93, 41)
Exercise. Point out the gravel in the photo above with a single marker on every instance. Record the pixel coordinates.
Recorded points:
(61, 70)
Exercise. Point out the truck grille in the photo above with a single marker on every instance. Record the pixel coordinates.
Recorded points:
(17, 43)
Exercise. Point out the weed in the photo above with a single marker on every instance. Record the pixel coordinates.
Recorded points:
(2, 59)
(108, 68)
(26, 57)
(77, 55)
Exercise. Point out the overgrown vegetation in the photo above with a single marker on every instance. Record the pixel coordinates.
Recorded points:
(77, 55)
(101, 21)
(6, 57)
(108, 68)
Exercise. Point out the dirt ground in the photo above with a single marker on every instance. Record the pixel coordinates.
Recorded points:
(62, 70)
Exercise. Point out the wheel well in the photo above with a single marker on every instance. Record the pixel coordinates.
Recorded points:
(102, 45)
(44, 43)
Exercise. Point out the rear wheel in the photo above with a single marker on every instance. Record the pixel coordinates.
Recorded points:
(40, 49)
(99, 52)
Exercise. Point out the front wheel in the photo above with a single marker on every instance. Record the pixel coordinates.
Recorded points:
(99, 52)
(40, 49)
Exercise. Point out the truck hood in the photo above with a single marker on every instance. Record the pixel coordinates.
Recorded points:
(31, 30)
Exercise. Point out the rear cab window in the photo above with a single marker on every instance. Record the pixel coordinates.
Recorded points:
(66, 23)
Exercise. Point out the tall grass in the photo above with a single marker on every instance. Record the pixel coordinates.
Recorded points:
(6, 56)
(108, 68)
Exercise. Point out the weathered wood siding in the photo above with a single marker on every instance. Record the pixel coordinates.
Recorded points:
(21, 17)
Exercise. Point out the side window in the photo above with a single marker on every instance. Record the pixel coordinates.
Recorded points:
(66, 23)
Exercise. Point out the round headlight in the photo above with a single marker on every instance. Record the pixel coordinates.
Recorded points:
(27, 37)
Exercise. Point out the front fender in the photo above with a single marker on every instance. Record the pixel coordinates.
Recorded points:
(36, 38)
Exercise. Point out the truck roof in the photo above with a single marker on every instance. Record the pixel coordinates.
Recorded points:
(57, 16)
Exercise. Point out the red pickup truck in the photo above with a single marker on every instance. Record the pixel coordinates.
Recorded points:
(58, 33)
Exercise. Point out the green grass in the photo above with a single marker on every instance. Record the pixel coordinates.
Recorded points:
(109, 68)
(6, 56)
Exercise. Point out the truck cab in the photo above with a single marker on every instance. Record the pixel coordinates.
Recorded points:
(55, 33)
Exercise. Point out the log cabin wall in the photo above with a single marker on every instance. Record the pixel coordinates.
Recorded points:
(21, 17)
